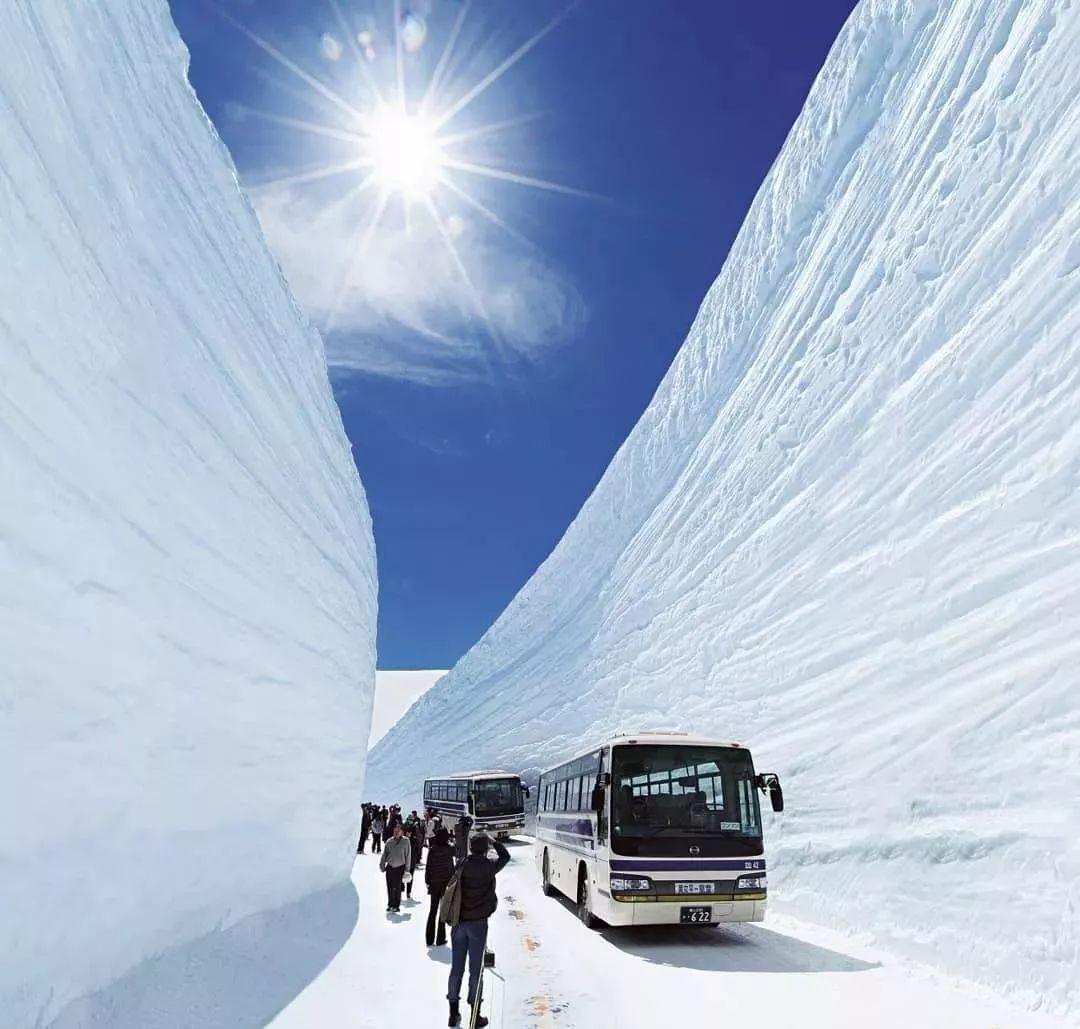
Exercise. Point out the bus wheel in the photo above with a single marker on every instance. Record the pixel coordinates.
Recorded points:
(549, 890)
(584, 907)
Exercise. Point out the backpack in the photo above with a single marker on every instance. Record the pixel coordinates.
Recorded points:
(450, 905)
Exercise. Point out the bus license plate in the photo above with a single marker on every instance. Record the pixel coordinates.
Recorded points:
(695, 887)
(696, 916)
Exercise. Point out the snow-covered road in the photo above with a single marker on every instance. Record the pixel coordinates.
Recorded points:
(558, 974)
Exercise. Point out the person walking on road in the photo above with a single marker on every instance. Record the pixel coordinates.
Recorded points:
(365, 828)
(469, 936)
(412, 834)
(416, 835)
(396, 860)
(378, 823)
(392, 818)
(437, 873)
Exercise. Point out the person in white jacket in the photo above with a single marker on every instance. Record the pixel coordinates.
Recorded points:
(396, 860)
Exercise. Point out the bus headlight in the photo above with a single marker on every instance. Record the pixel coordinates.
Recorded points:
(752, 882)
(629, 884)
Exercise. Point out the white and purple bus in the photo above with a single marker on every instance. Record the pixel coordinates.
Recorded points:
(656, 828)
(493, 800)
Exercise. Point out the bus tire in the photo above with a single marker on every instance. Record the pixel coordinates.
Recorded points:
(545, 882)
(584, 904)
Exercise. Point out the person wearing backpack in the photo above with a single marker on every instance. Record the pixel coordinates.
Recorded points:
(437, 873)
(468, 937)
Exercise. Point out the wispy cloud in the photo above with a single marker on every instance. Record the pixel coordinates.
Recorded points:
(395, 302)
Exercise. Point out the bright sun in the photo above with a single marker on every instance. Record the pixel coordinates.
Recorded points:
(404, 151)
(403, 146)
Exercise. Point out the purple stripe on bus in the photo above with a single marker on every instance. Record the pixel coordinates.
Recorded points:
(688, 865)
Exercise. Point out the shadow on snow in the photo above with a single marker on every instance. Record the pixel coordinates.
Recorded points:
(238, 978)
(729, 948)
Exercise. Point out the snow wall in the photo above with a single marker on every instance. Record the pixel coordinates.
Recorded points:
(187, 573)
(847, 528)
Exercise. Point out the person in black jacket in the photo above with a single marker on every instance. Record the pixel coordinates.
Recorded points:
(437, 873)
(365, 828)
(392, 817)
(461, 837)
(469, 936)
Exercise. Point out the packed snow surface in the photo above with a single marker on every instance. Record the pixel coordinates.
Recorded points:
(187, 575)
(553, 973)
(846, 531)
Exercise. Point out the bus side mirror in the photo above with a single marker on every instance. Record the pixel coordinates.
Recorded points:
(776, 797)
(598, 799)
(769, 782)
(527, 790)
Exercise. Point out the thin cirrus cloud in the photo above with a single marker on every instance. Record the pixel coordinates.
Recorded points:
(404, 308)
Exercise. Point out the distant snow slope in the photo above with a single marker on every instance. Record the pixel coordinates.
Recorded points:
(847, 528)
(187, 576)
(395, 692)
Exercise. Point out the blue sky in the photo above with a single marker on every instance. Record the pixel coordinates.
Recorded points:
(486, 382)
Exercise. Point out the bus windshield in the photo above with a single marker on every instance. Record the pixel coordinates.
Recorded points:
(679, 791)
(497, 796)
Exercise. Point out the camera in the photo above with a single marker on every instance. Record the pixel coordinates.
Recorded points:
(489, 958)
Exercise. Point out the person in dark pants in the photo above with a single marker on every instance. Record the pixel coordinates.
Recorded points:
(396, 860)
(390, 819)
(365, 828)
(415, 835)
(468, 937)
(377, 826)
(461, 837)
(437, 873)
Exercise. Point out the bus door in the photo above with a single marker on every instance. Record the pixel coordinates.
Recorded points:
(603, 777)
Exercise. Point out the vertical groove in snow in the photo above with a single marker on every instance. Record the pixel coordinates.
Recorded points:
(187, 571)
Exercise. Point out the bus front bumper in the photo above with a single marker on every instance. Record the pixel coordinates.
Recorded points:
(664, 912)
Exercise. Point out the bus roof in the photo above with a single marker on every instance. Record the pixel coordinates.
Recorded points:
(666, 736)
(489, 774)
(646, 737)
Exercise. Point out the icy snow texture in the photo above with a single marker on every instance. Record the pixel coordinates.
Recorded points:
(847, 528)
(187, 575)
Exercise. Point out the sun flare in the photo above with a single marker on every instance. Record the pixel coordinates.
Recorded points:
(404, 149)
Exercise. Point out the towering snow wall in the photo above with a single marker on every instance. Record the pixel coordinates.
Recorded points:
(847, 528)
(187, 575)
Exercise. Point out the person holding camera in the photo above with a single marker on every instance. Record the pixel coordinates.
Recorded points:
(468, 938)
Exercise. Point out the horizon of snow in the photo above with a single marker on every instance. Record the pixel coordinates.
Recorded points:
(846, 530)
(187, 570)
